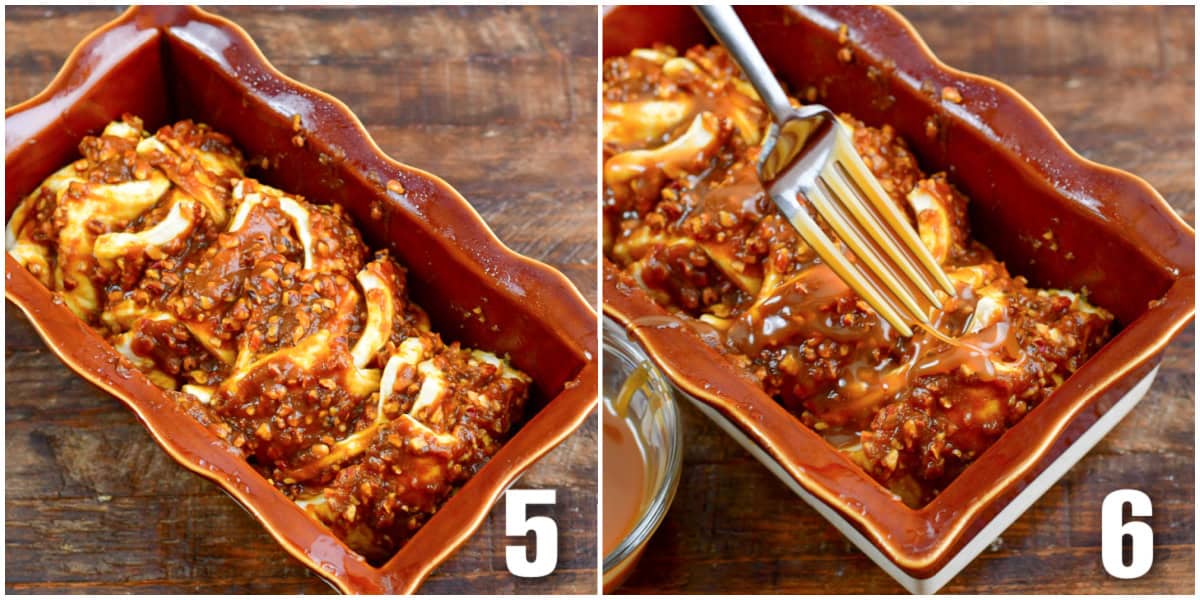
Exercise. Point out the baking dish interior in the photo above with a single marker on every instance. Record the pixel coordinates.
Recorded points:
(1048, 214)
(166, 64)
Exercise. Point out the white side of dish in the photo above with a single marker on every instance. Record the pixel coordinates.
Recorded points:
(994, 528)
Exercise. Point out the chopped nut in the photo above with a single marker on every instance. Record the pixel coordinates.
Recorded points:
(931, 127)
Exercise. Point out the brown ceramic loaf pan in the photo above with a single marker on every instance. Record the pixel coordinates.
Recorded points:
(1116, 237)
(169, 63)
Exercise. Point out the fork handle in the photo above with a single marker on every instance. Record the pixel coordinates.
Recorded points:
(729, 31)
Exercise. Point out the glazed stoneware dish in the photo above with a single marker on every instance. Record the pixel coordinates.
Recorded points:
(166, 64)
(1116, 237)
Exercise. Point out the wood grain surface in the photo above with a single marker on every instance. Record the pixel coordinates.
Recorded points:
(1118, 83)
(500, 102)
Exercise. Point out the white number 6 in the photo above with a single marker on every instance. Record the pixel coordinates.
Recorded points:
(545, 534)
(1113, 532)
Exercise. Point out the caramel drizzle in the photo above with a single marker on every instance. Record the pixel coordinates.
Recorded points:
(638, 378)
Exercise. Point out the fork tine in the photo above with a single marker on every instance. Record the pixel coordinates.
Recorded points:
(858, 172)
(862, 285)
(865, 251)
(858, 206)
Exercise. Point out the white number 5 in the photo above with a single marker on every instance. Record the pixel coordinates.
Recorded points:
(545, 534)
(1113, 532)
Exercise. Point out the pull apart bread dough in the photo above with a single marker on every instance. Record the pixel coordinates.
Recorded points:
(271, 323)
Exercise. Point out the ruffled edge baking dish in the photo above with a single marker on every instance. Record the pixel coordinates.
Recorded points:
(995, 145)
(206, 67)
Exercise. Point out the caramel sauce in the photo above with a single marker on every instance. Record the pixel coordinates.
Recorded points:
(795, 307)
(879, 363)
(625, 470)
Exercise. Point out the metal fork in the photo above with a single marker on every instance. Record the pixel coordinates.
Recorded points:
(809, 152)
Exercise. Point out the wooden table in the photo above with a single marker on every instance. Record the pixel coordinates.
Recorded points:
(501, 102)
(1118, 84)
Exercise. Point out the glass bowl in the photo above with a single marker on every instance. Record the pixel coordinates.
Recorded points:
(653, 416)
